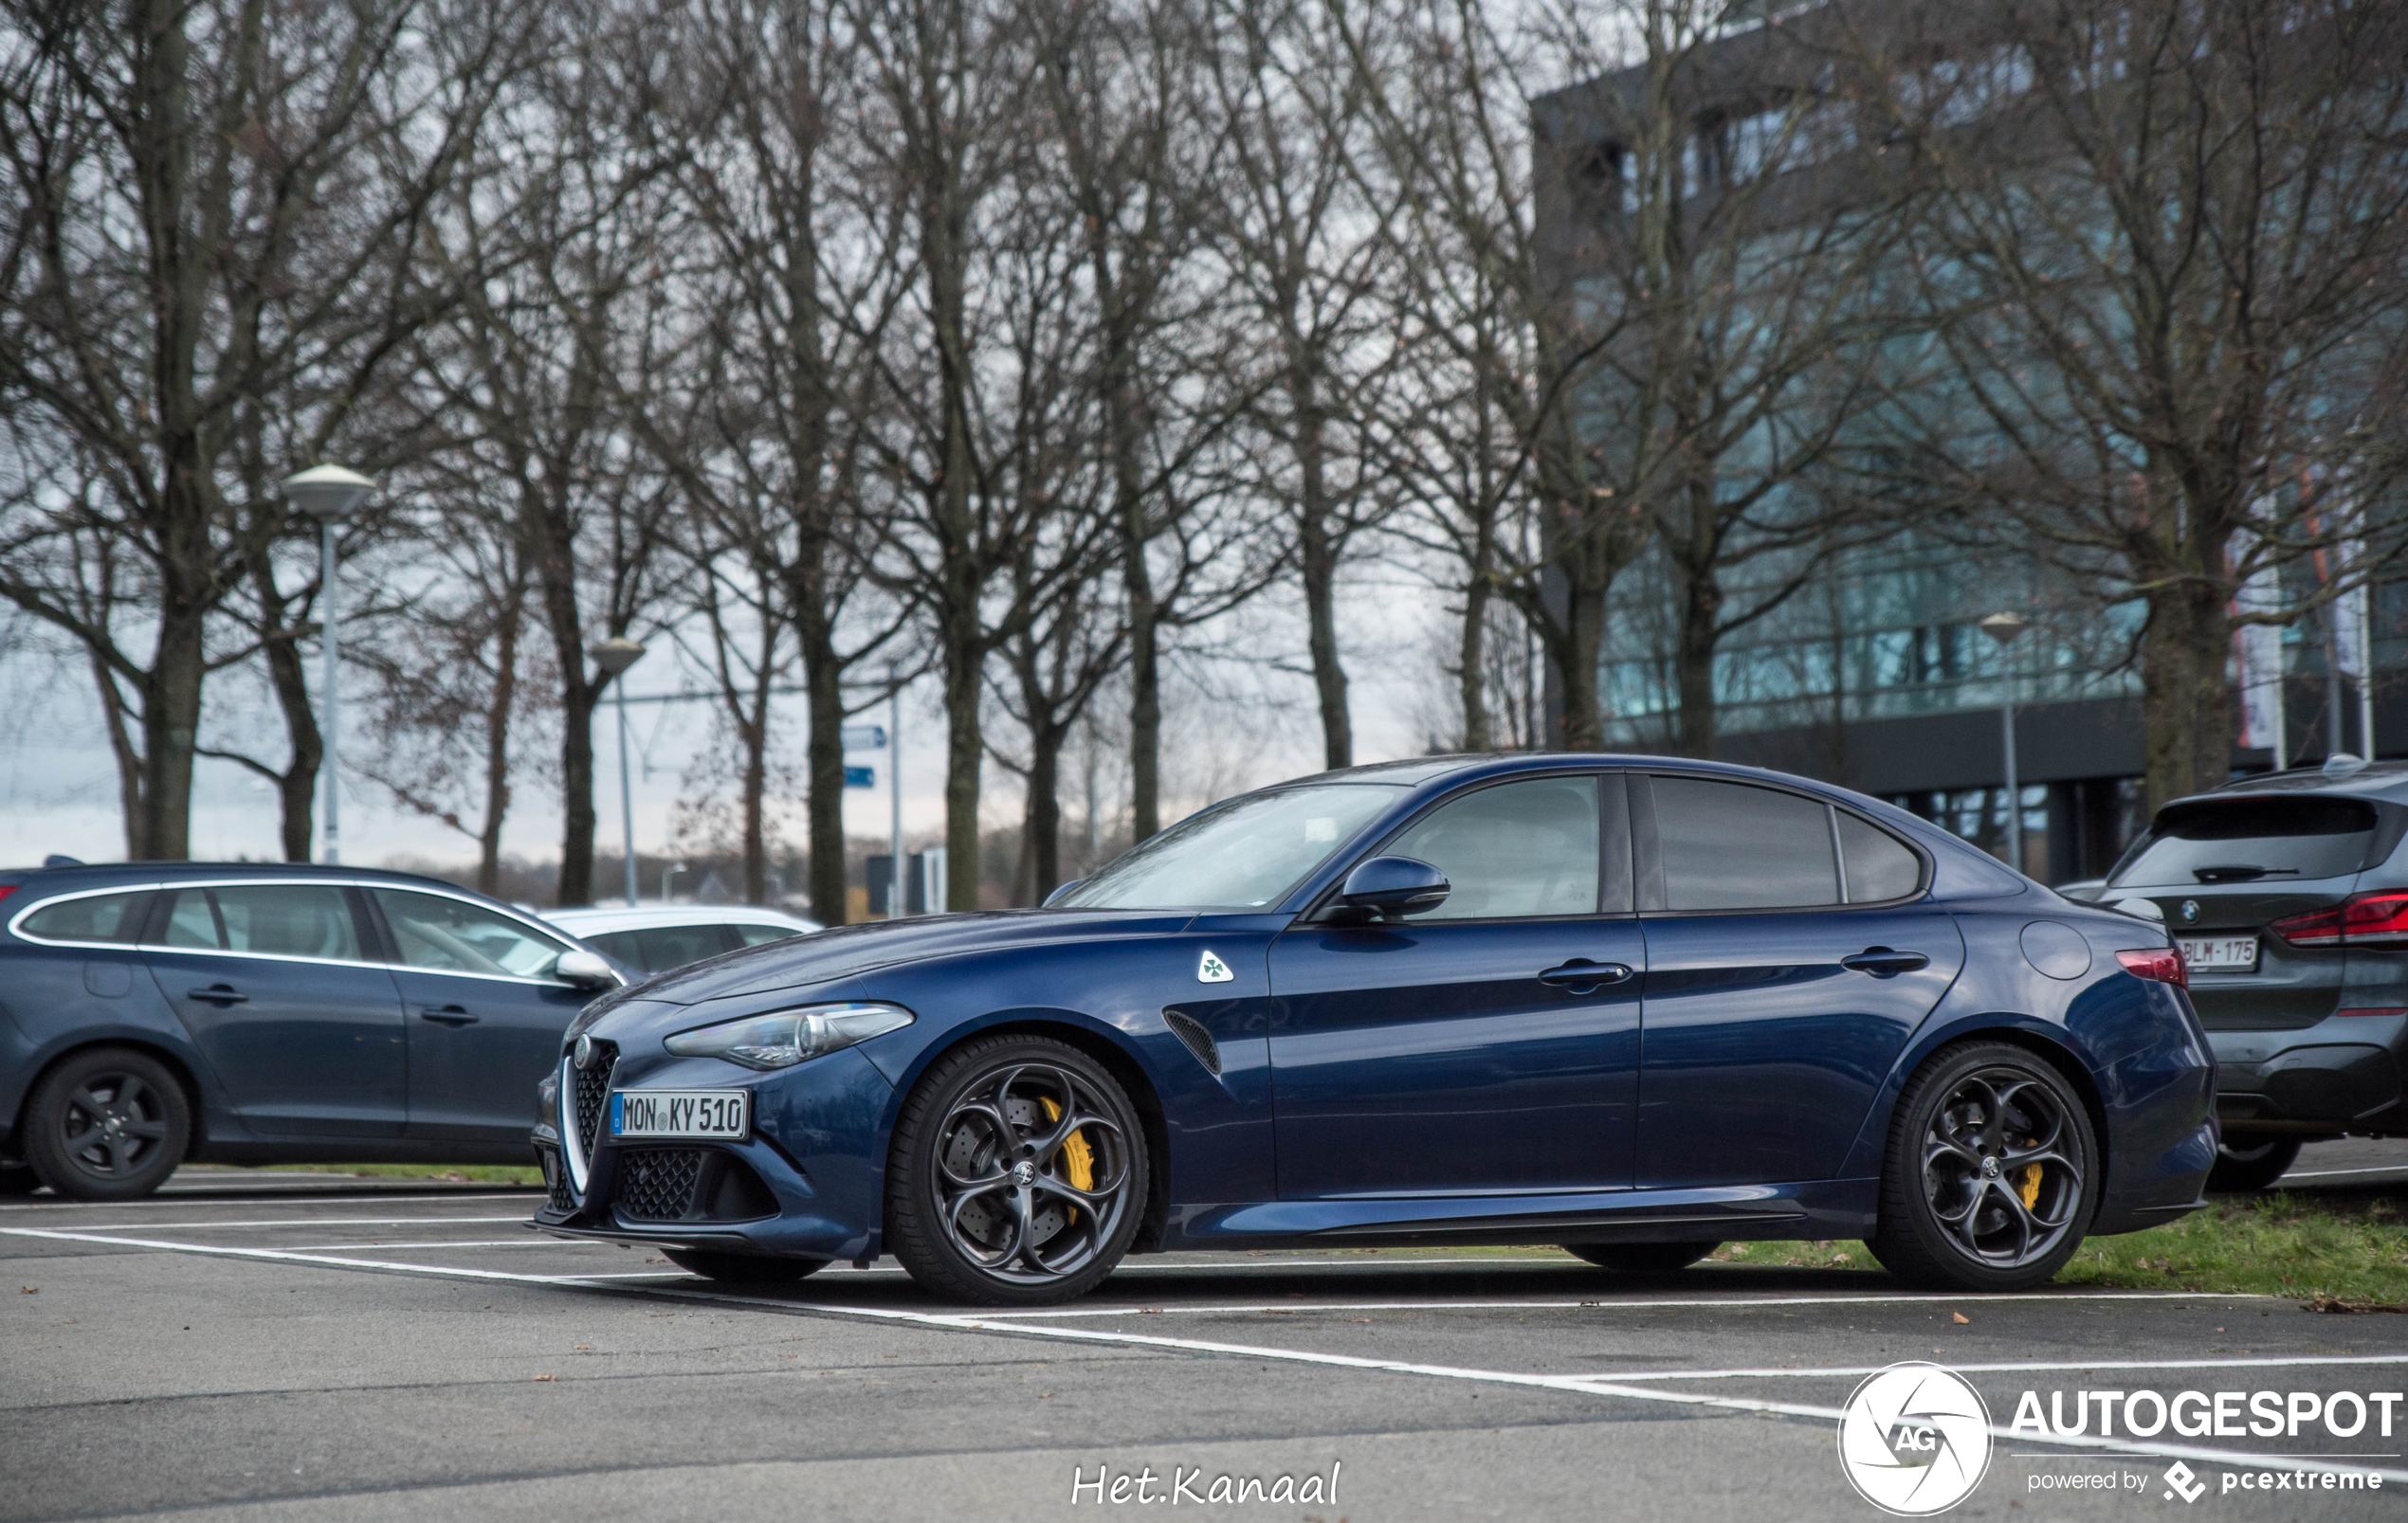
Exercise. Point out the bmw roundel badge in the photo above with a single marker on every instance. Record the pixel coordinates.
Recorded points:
(2190, 910)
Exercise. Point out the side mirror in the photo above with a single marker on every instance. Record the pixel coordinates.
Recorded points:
(1060, 889)
(1394, 887)
(584, 969)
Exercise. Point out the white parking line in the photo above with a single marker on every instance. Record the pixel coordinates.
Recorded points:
(2335, 1174)
(1716, 1302)
(188, 1205)
(313, 1222)
(1586, 1384)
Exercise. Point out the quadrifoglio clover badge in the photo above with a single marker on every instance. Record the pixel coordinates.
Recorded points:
(1914, 1439)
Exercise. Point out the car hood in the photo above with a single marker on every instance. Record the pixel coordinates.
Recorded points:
(852, 950)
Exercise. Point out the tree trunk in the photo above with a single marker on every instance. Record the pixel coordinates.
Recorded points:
(1694, 660)
(1040, 822)
(1471, 655)
(965, 751)
(2186, 699)
(1581, 649)
(170, 726)
(824, 751)
(1319, 563)
(756, 736)
(506, 694)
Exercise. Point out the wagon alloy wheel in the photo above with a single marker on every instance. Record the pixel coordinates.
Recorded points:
(1989, 1182)
(1019, 1174)
(1994, 1169)
(109, 1124)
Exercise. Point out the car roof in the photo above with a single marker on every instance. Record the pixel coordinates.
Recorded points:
(98, 875)
(2383, 780)
(588, 919)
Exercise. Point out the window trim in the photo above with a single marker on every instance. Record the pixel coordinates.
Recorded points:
(1317, 912)
(1648, 849)
(143, 943)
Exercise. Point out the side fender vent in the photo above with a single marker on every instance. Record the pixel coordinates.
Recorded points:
(1199, 1040)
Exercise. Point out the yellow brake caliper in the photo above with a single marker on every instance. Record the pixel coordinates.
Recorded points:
(1078, 1159)
(2028, 1180)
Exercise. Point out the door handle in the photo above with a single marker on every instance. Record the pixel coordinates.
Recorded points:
(450, 1015)
(218, 995)
(1883, 963)
(1581, 976)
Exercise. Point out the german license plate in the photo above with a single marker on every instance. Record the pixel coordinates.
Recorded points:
(2220, 954)
(724, 1114)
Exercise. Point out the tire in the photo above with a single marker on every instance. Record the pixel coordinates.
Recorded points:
(742, 1268)
(1641, 1257)
(109, 1124)
(16, 1179)
(1958, 1211)
(1017, 1175)
(2253, 1166)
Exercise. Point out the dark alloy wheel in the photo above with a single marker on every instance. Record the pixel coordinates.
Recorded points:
(1990, 1179)
(742, 1268)
(1641, 1257)
(110, 1124)
(2250, 1164)
(1018, 1174)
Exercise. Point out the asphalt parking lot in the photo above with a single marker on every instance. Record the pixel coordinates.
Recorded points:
(301, 1347)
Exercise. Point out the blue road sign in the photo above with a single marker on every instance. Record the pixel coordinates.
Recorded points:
(861, 777)
(862, 736)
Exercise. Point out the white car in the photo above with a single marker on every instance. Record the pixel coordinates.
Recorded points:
(655, 938)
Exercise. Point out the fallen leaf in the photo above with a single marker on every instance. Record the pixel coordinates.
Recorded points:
(28, 1290)
(1962, 1319)
(586, 1347)
(545, 1377)
(2334, 1303)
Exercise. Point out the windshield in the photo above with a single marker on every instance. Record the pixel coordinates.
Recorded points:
(2250, 841)
(1244, 853)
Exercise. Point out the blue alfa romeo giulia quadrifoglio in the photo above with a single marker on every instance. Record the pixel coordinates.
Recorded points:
(1633, 1006)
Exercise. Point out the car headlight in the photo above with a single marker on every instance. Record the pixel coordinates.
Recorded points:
(784, 1037)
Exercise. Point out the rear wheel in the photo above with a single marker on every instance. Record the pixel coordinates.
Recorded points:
(2250, 1164)
(110, 1124)
(1641, 1257)
(1018, 1174)
(1989, 1178)
(742, 1268)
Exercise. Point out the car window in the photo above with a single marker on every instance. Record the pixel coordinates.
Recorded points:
(759, 935)
(103, 917)
(2248, 840)
(1879, 867)
(619, 946)
(1732, 846)
(663, 947)
(455, 936)
(1515, 850)
(191, 922)
(287, 920)
(1243, 853)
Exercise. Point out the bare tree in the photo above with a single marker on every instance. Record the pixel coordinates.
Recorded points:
(2169, 242)
(208, 242)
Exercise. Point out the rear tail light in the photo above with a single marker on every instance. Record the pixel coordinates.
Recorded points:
(2162, 965)
(2371, 921)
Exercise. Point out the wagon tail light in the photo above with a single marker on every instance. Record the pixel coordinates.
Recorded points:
(2163, 965)
(2375, 921)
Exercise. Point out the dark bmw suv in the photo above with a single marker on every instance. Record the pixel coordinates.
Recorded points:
(2289, 894)
(255, 1013)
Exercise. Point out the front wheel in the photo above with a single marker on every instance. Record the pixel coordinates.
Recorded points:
(2250, 1164)
(1991, 1175)
(742, 1268)
(110, 1124)
(1641, 1257)
(1018, 1174)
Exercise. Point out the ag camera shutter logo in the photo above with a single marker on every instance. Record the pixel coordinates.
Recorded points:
(1914, 1439)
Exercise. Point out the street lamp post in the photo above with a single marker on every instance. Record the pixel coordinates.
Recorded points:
(329, 493)
(611, 659)
(2005, 628)
(894, 788)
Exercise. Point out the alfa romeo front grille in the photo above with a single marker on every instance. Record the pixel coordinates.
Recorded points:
(689, 1185)
(594, 1092)
(658, 1184)
(556, 1175)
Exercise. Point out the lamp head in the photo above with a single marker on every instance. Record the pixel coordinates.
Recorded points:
(615, 655)
(2003, 627)
(327, 492)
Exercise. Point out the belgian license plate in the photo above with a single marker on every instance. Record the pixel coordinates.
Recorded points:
(2220, 954)
(724, 1114)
